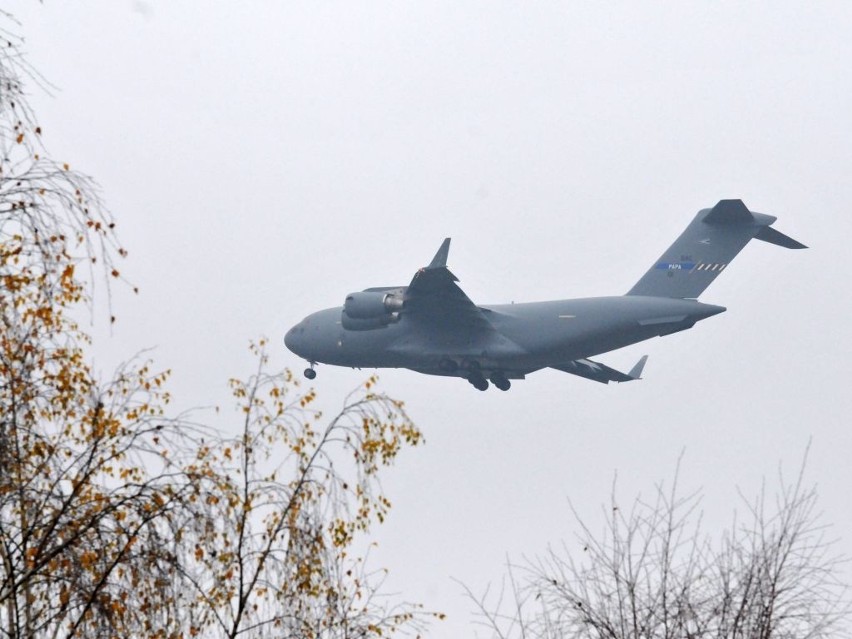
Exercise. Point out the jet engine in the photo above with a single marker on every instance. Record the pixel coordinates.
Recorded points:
(370, 310)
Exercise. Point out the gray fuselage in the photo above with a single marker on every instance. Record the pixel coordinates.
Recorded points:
(526, 337)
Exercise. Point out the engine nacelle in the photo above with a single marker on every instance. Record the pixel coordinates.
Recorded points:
(367, 324)
(371, 305)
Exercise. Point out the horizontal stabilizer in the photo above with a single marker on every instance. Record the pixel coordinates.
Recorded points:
(769, 234)
(600, 372)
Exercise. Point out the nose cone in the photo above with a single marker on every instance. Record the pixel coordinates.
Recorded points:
(291, 339)
(317, 337)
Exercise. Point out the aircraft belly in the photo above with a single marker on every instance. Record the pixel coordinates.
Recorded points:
(416, 348)
(370, 349)
(403, 346)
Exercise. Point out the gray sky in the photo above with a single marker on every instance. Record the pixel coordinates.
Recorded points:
(265, 159)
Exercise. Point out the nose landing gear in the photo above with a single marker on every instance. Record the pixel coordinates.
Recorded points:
(310, 373)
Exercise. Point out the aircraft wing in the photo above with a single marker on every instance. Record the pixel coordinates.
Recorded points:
(434, 299)
(600, 372)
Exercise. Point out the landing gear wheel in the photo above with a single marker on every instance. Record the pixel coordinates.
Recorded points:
(310, 373)
(479, 382)
(501, 382)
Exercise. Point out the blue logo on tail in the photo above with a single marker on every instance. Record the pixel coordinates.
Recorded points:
(675, 266)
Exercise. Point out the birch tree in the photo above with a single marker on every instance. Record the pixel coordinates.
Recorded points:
(118, 520)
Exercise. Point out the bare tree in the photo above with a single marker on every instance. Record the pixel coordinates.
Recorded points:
(652, 574)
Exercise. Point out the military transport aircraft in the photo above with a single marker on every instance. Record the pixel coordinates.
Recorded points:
(432, 327)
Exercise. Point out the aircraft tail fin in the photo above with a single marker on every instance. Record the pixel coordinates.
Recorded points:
(706, 248)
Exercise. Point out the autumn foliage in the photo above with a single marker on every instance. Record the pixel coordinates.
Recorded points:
(117, 520)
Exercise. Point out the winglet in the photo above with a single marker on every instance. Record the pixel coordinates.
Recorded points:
(636, 371)
(440, 259)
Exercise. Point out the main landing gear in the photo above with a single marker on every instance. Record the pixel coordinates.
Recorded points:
(500, 381)
(477, 379)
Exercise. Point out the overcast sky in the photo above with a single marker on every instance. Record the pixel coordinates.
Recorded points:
(265, 159)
